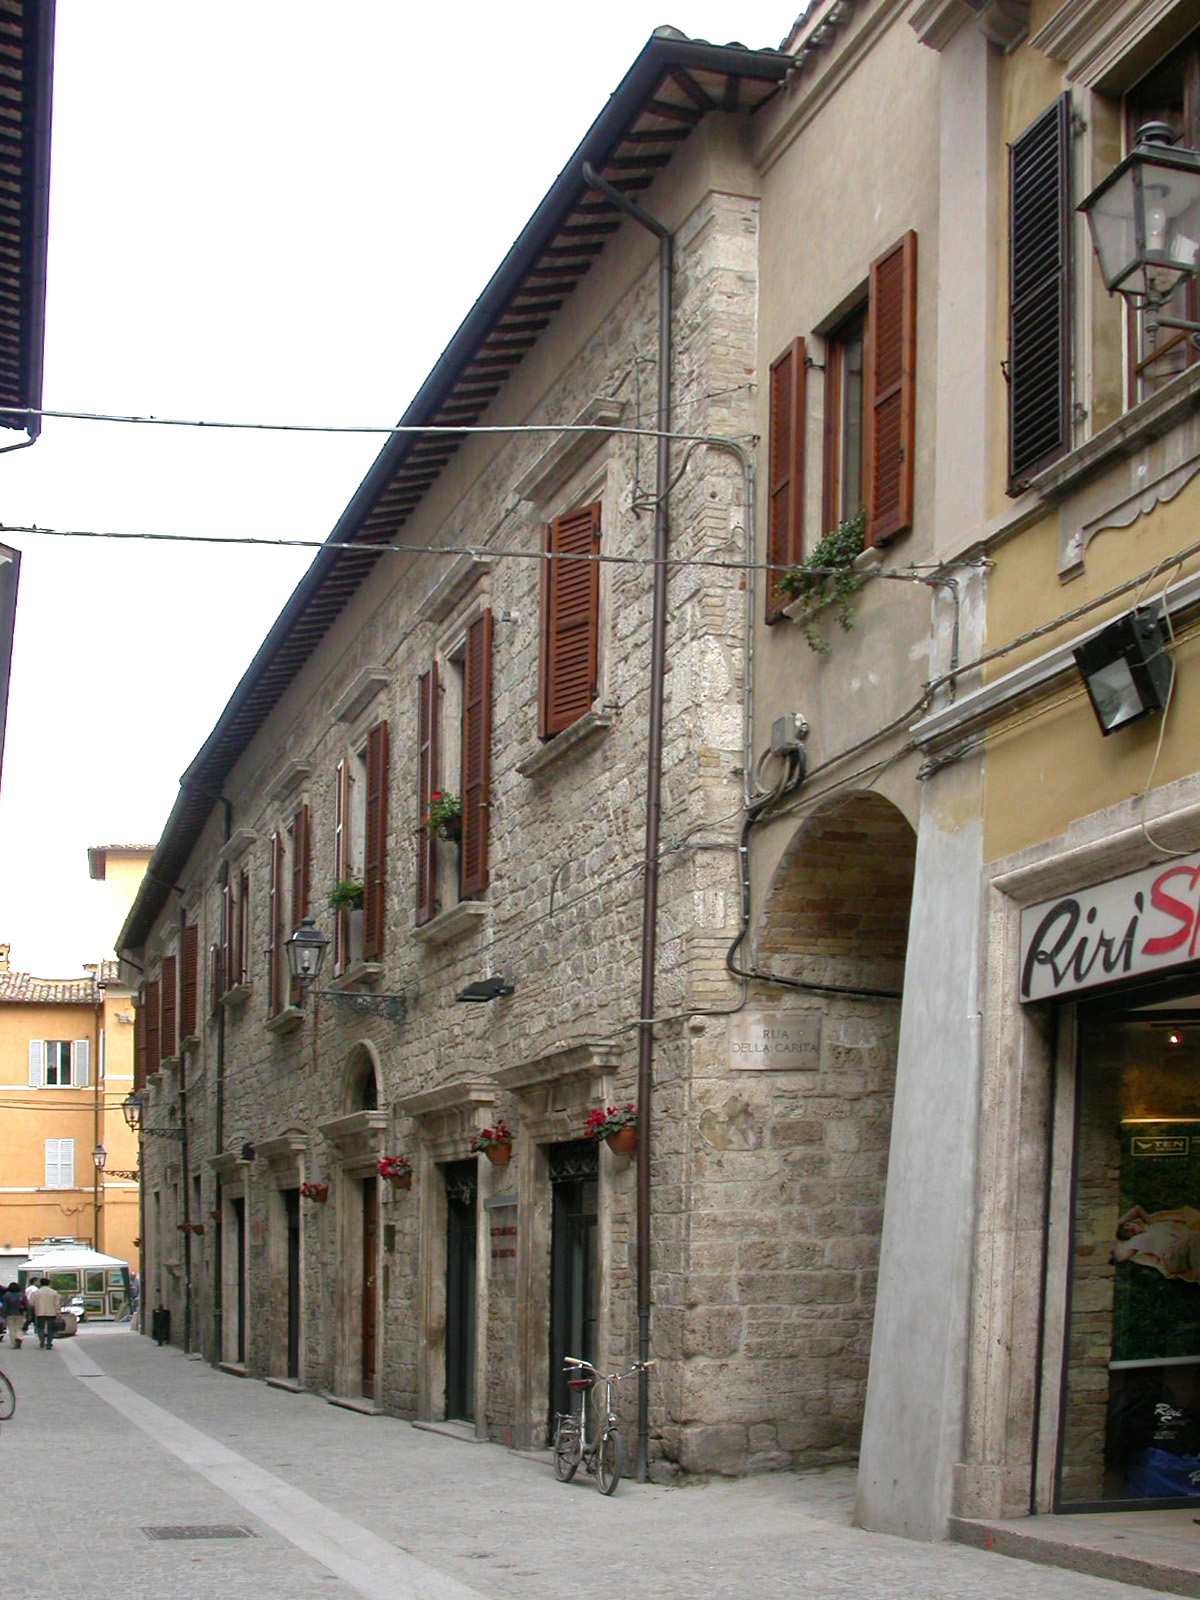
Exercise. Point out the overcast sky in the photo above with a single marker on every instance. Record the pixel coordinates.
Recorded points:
(260, 210)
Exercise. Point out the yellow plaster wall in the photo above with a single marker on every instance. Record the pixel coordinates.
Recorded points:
(1050, 763)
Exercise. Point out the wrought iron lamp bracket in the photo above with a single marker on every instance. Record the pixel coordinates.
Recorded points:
(392, 1006)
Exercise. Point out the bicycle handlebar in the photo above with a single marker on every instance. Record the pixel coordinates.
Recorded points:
(638, 1366)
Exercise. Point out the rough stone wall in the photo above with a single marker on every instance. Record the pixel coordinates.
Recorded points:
(564, 903)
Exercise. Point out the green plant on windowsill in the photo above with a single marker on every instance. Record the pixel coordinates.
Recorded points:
(826, 579)
(346, 895)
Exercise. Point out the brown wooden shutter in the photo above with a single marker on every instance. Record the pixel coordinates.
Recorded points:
(890, 402)
(139, 1044)
(570, 619)
(427, 769)
(227, 921)
(301, 883)
(476, 754)
(153, 1036)
(241, 936)
(216, 973)
(189, 980)
(168, 1008)
(375, 844)
(275, 934)
(785, 521)
(1039, 312)
(341, 862)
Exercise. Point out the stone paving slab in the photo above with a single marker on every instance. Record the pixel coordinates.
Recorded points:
(84, 1478)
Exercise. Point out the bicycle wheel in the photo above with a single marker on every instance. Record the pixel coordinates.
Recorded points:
(567, 1450)
(8, 1398)
(610, 1462)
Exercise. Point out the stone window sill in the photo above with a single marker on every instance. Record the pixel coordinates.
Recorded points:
(237, 994)
(580, 735)
(452, 924)
(285, 1021)
(358, 972)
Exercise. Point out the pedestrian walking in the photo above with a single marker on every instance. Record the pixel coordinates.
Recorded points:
(16, 1308)
(46, 1306)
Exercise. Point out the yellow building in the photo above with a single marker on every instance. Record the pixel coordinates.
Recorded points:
(66, 1065)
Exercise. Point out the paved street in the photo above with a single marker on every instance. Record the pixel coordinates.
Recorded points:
(113, 1435)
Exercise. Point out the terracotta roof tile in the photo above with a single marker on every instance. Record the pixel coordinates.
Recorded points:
(22, 988)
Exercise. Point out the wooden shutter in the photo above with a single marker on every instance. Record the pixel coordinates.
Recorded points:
(785, 518)
(241, 939)
(570, 619)
(275, 932)
(37, 1063)
(890, 402)
(225, 967)
(476, 754)
(300, 883)
(153, 1037)
(375, 843)
(189, 980)
(427, 769)
(341, 862)
(139, 1043)
(1039, 313)
(168, 1011)
(81, 1063)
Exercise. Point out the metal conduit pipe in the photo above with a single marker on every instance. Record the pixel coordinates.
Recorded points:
(658, 639)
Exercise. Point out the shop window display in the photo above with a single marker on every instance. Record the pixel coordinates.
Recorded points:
(1131, 1405)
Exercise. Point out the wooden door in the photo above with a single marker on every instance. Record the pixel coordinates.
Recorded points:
(370, 1259)
(291, 1201)
(461, 1184)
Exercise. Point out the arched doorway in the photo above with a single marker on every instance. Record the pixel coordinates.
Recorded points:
(834, 930)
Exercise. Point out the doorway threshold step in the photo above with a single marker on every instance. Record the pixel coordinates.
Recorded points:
(450, 1430)
(235, 1369)
(1153, 1549)
(355, 1402)
(292, 1385)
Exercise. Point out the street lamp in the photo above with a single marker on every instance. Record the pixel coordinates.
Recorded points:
(1145, 222)
(131, 1110)
(306, 952)
(99, 1157)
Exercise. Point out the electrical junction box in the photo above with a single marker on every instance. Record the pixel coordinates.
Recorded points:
(788, 733)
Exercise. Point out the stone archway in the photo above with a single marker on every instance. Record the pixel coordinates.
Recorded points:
(360, 1079)
(794, 1156)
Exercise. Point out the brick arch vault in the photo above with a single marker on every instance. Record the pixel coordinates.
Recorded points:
(836, 914)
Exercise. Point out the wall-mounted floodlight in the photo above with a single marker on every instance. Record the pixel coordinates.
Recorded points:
(485, 989)
(1127, 669)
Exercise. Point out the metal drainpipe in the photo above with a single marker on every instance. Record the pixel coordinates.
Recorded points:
(97, 1121)
(658, 653)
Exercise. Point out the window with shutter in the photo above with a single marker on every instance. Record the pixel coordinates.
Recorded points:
(301, 885)
(166, 1029)
(275, 929)
(139, 1043)
(341, 860)
(1039, 288)
(785, 519)
(216, 974)
(570, 623)
(845, 420)
(60, 1163)
(189, 980)
(56, 1058)
(241, 932)
(427, 778)
(225, 977)
(81, 1063)
(37, 1063)
(153, 1037)
(891, 391)
(476, 754)
(375, 843)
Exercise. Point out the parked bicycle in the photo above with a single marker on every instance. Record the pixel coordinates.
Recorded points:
(603, 1451)
(8, 1397)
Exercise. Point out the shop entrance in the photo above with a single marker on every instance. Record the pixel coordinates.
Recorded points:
(461, 1188)
(291, 1208)
(1130, 1418)
(573, 1262)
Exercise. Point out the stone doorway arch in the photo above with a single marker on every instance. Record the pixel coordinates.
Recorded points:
(804, 1142)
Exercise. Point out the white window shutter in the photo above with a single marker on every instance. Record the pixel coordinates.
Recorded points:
(37, 1063)
(81, 1061)
(66, 1163)
(53, 1179)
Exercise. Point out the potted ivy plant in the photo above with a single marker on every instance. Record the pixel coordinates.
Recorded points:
(826, 580)
(346, 895)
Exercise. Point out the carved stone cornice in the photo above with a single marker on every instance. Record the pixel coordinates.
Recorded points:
(1003, 22)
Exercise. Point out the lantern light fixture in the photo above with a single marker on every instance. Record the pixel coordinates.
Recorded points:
(1145, 224)
(306, 952)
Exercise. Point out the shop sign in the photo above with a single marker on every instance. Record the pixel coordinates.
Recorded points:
(1143, 923)
(787, 1042)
